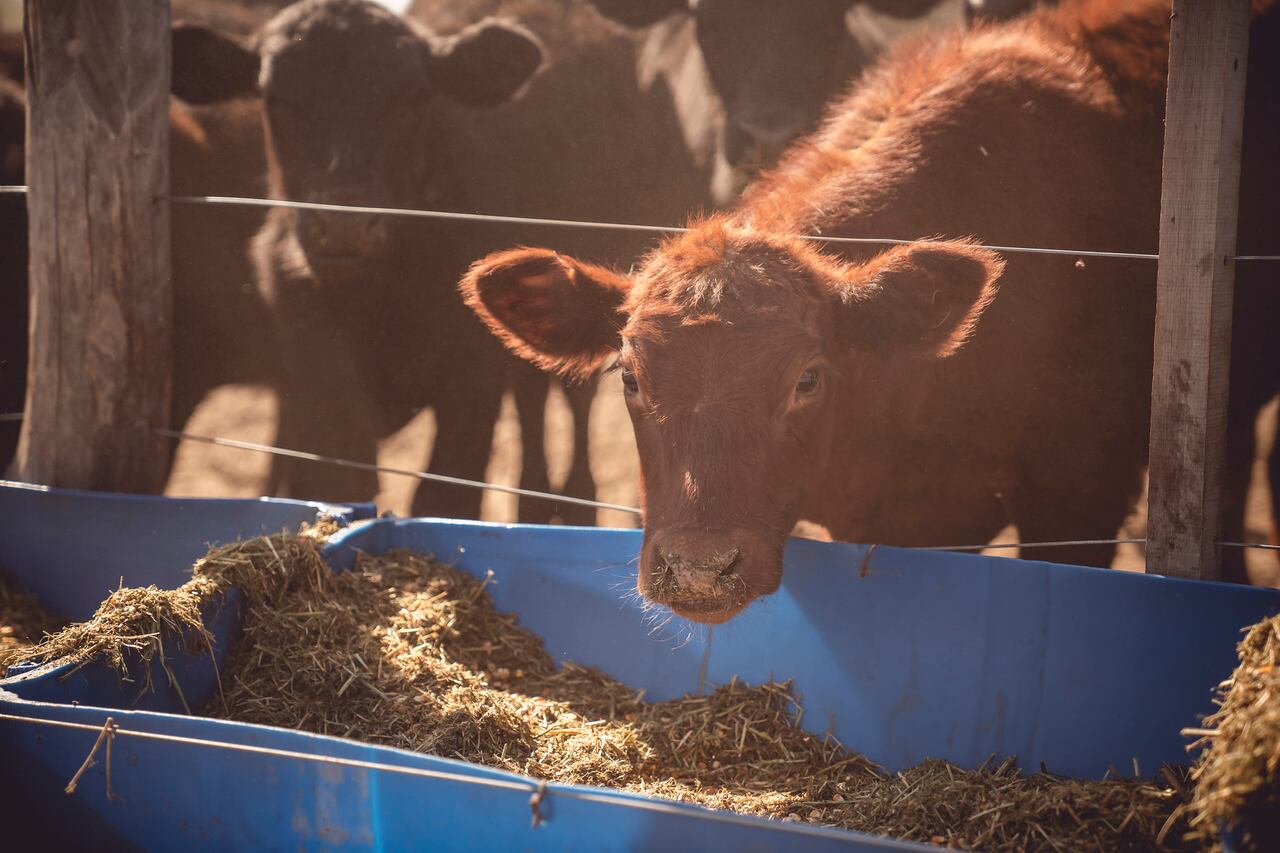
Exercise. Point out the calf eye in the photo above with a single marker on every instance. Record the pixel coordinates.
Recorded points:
(629, 383)
(808, 382)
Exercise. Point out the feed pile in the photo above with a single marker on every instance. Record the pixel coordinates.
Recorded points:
(23, 621)
(1237, 778)
(407, 652)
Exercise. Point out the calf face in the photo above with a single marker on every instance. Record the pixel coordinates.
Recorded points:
(353, 112)
(735, 351)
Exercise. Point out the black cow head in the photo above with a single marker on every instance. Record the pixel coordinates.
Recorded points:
(774, 65)
(352, 98)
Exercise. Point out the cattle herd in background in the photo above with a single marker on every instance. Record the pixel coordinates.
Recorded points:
(1044, 129)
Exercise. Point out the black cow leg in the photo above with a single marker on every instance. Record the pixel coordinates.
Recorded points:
(1090, 506)
(529, 387)
(464, 439)
(331, 426)
(580, 483)
(1241, 446)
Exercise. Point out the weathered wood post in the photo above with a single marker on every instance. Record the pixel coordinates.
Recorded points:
(1208, 49)
(98, 172)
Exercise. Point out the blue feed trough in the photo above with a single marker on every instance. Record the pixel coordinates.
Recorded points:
(928, 655)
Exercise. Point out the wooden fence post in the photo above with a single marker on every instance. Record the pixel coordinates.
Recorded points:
(101, 316)
(1204, 119)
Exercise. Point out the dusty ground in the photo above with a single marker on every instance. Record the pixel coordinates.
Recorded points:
(248, 413)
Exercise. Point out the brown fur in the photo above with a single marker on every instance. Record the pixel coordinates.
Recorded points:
(1045, 132)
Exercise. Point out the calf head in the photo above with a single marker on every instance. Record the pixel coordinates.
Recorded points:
(736, 351)
(352, 97)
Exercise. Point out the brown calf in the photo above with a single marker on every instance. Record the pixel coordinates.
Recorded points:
(772, 378)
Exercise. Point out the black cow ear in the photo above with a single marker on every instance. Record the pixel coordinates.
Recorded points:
(209, 66)
(638, 13)
(486, 63)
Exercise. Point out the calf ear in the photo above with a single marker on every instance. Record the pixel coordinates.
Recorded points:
(638, 13)
(924, 299)
(209, 66)
(557, 312)
(486, 63)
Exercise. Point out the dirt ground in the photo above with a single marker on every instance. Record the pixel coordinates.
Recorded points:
(248, 413)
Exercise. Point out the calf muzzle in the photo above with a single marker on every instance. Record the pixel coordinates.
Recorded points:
(698, 583)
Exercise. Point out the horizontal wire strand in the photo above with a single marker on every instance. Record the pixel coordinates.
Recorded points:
(484, 217)
(403, 472)
(530, 786)
(618, 226)
(280, 753)
(1062, 544)
(1260, 546)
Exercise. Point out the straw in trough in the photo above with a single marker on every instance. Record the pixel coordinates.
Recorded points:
(23, 621)
(1237, 778)
(134, 623)
(407, 652)
(410, 653)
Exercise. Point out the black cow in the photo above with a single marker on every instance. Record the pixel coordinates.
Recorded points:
(772, 67)
(361, 107)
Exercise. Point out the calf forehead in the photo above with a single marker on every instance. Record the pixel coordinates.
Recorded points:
(714, 274)
(711, 363)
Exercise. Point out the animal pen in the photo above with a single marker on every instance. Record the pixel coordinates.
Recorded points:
(965, 658)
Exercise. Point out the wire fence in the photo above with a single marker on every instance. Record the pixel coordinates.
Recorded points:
(551, 496)
(402, 472)
(616, 226)
(537, 789)
(597, 225)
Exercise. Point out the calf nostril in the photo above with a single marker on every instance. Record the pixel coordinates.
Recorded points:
(723, 564)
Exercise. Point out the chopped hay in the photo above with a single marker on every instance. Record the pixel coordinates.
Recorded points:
(406, 652)
(1237, 778)
(133, 623)
(23, 621)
